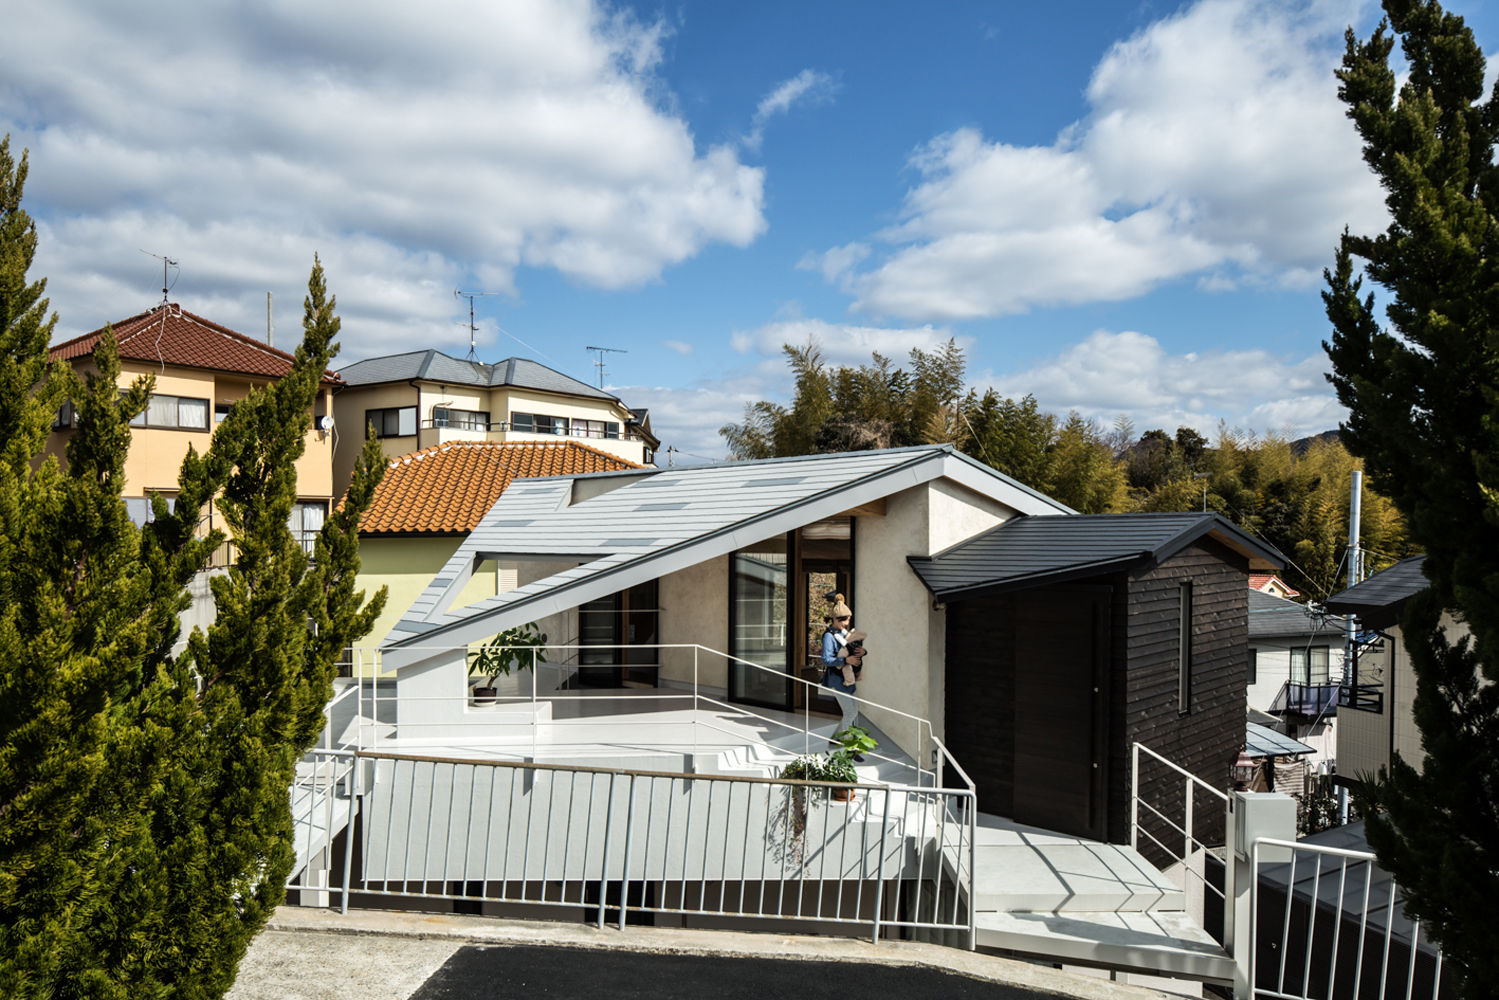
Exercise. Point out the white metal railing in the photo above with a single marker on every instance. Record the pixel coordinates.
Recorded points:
(1181, 829)
(1353, 938)
(377, 705)
(609, 842)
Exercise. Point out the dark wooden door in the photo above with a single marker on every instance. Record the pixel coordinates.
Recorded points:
(1060, 710)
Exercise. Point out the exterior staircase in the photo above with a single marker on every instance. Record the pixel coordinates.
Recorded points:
(1079, 902)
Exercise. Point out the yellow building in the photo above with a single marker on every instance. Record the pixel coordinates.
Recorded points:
(425, 398)
(202, 369)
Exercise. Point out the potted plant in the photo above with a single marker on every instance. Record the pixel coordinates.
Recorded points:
(856, 742)
(521, 646)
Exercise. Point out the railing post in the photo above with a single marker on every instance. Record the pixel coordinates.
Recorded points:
(1187, 826)
(534, 727)
(354, 798)
(879, 885)
(1134, 797)
(624, 872)
(604, 858)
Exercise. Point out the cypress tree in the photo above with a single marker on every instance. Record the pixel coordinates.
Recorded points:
(1422, 390)
(145, 820)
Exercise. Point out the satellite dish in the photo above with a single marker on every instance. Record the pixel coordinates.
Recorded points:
(325, 423)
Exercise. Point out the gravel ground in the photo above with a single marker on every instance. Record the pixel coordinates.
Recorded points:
(291, 965)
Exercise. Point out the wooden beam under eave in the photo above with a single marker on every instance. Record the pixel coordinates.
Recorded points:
(874, 508)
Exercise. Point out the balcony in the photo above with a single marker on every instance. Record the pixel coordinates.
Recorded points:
(1311, 700)
(502, 430)
(1362, 697)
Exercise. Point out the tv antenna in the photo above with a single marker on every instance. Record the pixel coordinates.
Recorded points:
(473, 355)
(599, 364)
(166, 262)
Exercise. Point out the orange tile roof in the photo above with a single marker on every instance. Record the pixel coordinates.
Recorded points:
(448, 488)
(171, 335)
(1258, 581)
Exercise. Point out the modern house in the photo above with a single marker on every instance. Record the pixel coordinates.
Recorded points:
(1295, 674)
(429, 501)
(633, 766)
(425, 398)
(202, 369)
(1270, 583)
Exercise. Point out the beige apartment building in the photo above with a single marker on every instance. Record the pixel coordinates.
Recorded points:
(202, 369)
(425, 398)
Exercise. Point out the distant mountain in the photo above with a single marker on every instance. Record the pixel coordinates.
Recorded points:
(1300, 445)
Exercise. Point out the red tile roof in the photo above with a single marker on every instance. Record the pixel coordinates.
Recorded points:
(1259, 581)
(171, 335)
(448, 488)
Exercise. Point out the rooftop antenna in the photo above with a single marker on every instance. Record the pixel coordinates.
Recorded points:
(166, 262)
(599, 364)
(473, 355)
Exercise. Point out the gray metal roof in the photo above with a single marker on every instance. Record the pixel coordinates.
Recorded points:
(435, 366)
(626, 528)
(1262, 741)
(1030, 552)
(1378, 600)
(1275, 616)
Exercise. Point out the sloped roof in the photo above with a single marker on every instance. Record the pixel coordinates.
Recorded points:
(1031, 552)
(628, 527)
(1262, 741)
(434, 366)
(1378, 600)
(448, 488)
(171, 335)
(1275, 616)
(1258, 581)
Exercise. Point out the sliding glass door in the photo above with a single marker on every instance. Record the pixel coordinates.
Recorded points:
(759, 627)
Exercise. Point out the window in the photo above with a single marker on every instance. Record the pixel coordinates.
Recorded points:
(1254, 667)
(595, 429)
(65, 417)
(464, 420)
(618, 624)
(306, 521)
(539, 423)
(1309, 665)
(173, 412)
(138, 509)
(394, 421)
(221, 411)
(1184, 649)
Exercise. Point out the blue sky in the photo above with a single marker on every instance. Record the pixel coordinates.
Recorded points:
(1122, 209)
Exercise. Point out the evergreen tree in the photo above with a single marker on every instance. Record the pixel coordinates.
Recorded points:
(1422, 392)
(144, 808)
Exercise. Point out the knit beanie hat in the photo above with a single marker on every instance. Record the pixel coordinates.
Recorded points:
(841, 609)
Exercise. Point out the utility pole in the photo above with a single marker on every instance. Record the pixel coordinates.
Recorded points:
(473, 354)
(1350, 626)
(599, 364)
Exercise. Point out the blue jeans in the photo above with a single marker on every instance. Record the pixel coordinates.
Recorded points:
(832, 678)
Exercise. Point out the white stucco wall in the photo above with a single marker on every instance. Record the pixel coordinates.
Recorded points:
(695, 609)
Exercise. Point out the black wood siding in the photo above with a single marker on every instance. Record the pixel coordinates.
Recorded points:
(1142, 687)
(1205, 740)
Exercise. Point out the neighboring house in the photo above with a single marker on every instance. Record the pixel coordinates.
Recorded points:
(1295, 673)
(1069, 639)
(425, 398)
(1376, 717)
(1271, 584)
(201, 369)
(429, 501)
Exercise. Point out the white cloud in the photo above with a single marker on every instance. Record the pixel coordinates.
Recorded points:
(432, 137)
(808, 85)
(843, 343)
(1130, 373)
(1215, 144)
(680, 346)
(687, 418)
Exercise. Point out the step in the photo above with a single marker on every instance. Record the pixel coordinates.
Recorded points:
(1048, 873)
(1163, 942)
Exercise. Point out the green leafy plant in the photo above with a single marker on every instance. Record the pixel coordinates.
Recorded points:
(855, 740)
(522, 646)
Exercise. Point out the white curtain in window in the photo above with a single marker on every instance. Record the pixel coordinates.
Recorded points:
(192, 413)
(406, 420)
(162, 411)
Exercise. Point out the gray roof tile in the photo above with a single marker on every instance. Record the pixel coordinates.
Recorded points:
(1275, 616)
